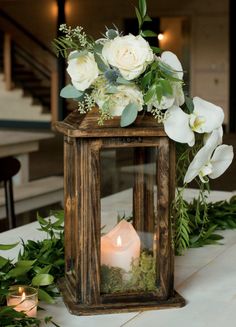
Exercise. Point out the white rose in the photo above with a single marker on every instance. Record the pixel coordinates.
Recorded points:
(118, 101)
(83, 71)
(130, 54)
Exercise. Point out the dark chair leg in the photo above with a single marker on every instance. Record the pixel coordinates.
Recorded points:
(10, 212)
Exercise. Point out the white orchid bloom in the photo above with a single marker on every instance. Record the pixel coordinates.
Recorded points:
(206, 163)
(171, 61)
(205, 118)
(214, 137)
(176, 126)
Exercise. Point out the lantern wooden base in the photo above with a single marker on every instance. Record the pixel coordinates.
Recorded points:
(176, 301)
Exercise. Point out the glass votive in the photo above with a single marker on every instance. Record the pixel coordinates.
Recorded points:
(23, 298)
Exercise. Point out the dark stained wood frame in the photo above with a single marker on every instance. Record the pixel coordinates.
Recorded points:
(83, 143)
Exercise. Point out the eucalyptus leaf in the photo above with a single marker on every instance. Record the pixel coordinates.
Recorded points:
(129, 115)
(98, 47)
(111, 89)
(70, 92)
(101, 64)
(121, 80)
(42, 280)
(8, 246)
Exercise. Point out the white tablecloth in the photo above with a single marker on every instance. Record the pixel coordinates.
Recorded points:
(205, 277)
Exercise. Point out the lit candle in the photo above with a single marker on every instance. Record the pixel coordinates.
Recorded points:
(23, 298)
(120, 246)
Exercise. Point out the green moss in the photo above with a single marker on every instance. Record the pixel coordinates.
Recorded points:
(142, 276)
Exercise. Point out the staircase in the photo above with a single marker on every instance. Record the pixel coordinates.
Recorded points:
(16, 104)
(33, 78)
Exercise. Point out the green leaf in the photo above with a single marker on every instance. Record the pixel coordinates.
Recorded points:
(166, 86)
(147, 18)
(44, 296)
(148, 33)
(25, 263)
(189, 104)
(145, 81)
(142, 7)
(140, 22)
(159, 92)
(18, 271)
(98, 48)
(101, 64)
(150, 94)
(8, 246)
(111, 89)
(70, 92)
(156, 50)
(129, 114)
(42, 280)
(3, 262)
(121, 80)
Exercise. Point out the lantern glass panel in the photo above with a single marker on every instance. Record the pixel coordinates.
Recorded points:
(129, 220)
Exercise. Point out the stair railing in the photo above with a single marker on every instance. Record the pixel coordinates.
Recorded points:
(13, 31)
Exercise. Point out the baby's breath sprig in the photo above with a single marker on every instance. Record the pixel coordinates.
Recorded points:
(76, 33)
(74, 39)
(104, 114)
(158, 114)
(86, 104)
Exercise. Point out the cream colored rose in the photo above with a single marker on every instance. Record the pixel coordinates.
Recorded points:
(83, 71)
(130, 54)
(118, 101)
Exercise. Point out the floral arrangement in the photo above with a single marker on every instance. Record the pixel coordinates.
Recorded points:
(123, 75)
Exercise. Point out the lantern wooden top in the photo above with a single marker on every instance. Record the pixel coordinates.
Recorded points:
(86, 125)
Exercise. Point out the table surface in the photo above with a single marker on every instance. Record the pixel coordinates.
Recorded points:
(10, 137)
(205, 277)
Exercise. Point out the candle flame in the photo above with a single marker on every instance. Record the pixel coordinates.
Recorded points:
(20, 290)
(23, 296)
(119, 241)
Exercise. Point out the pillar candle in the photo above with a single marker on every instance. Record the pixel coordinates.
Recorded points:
(120, 246)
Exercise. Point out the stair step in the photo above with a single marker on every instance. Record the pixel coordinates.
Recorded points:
(35, 194)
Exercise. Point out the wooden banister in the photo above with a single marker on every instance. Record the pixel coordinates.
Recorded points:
(7, 61)
(54, 96)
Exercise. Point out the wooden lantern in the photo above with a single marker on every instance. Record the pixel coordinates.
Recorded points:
(152, 175)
